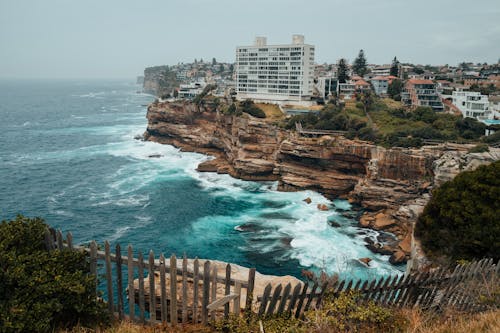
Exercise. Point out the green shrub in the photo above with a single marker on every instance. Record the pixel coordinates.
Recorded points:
(42, 291)
(480, 148)
(249, 107)
(461, 219)
(350, 313)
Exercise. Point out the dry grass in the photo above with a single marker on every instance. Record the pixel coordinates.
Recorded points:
(452, 322)
(392, 104)
(272, 111)
(417, 322)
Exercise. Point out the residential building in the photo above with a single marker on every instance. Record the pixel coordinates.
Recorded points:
(494, 106)
(380, 85)
(190, 91)
(361, 86)
(327, 86)
(346, 91)
(472, 104)
(275, 73)
(382, 70)
(418, 92)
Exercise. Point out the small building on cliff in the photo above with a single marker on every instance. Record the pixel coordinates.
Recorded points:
(281, 74)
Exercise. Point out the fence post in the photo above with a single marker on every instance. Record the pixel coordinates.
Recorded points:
(109, 282)
(69, 240)
(152, 289)
(119, 281)
(251, 284)
(184, 290)
(131, 290)
(214, 291)
(195, 290)
(227, 290)
(206, 292)
(173, 290)
(163, 287)
(140, 258)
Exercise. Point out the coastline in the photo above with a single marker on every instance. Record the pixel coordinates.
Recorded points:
(392, 185)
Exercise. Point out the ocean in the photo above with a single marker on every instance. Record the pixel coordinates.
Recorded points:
(68, 154)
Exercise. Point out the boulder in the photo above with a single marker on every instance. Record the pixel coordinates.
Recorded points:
(322, 207)
(307, 200)
(365, 261)
(398, 257)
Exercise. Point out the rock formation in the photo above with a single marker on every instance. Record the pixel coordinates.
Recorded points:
(393, 185)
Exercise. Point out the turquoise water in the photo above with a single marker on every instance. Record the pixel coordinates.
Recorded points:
(68, 154)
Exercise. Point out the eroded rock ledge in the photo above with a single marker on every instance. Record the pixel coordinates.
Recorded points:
(393, 185)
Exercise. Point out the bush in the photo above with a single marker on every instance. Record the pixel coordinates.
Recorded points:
(42, 291)
(480, 148)
(461, 219)
(249, 107)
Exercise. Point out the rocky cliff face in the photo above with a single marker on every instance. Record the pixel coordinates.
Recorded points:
(159, 80)
(393, 185)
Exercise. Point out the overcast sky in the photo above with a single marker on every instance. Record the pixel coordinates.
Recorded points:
(118, 38)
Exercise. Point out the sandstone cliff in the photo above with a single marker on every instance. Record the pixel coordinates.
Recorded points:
(393, 185)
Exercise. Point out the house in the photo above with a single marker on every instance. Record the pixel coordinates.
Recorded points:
(346, 90)
(472, 104)
(418, 92)
(327, 86)
(361, 86)
(380, 85)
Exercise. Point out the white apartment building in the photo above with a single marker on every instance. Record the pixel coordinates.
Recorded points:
(275, 73)
(472, 104)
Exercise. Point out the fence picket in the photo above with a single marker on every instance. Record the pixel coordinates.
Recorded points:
(264, 300)
(284, 298)
(152, 291)
(214, 291)
(274, 300)
(227, 290)
(184, 290)
(237, 300)
(251, 284)
(109, 282)
(59, 239)
(49, 244)
(131, 290)
(173, 290)
(119, 281)
(293, 300)
(320, 297)
(69, 240)
(142, 307)
(163, 291)
(206, 292)
(196, 280)
(301, 300)
(311, 296)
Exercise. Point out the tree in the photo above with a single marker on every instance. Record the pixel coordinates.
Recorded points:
(394, 67)
(394, 89)
(359, 65)
(214, 61)
(342, 71)
(221, 68)
(461, 219)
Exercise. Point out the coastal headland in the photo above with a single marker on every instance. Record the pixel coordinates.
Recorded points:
(391, 185)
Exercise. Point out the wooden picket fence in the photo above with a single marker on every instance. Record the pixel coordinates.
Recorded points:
(200, 294)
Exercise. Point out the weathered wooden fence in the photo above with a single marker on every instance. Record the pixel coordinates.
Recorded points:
(200, 291)
(466, 288)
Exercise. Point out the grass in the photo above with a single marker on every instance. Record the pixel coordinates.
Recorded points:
(272, 111)
(416, 322)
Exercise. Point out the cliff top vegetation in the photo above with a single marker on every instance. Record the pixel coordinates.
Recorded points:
(388, 123)
(461, 221)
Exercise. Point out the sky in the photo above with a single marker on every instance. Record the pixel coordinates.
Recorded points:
(119, 38)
